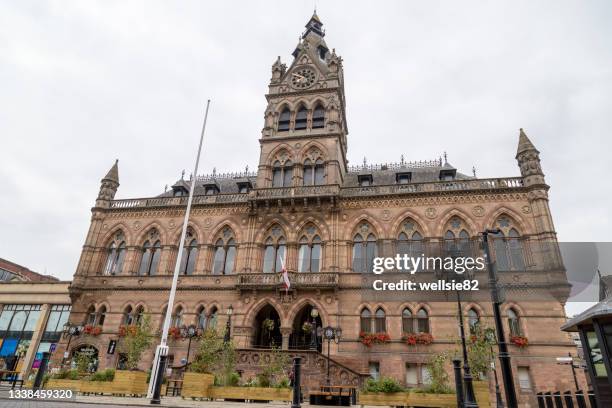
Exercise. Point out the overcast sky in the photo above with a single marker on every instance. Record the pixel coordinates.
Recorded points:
(84, 82)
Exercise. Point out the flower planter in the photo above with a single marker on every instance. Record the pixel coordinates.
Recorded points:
(382, 399)
(419, 399)
(62, 384)
(251, 393)
(129, 383)
(197, 385)
(96, 387)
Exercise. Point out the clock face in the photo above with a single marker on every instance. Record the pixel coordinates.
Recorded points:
(303, 78)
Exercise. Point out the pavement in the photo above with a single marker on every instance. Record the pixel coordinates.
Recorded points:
(111, 401)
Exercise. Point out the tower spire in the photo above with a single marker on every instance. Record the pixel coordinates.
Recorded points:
(524, 143)
(314, 25)
(108, 186)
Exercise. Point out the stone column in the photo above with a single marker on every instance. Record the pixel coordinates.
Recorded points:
(36, 336)
(286, 332)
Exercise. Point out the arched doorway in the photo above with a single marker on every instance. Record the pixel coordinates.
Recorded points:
(85, 358)
(303, 332)
(267, 328)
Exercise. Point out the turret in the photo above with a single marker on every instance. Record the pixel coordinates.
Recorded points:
(108, 186)
(528, 158)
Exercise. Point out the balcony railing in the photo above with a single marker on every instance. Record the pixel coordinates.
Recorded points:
(296, 192)
(179, 201)
(297, 279)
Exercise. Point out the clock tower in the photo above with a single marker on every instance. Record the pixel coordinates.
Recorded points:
(304, 136)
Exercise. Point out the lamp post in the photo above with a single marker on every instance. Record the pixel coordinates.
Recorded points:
(331, 333)
(504, 356)
(314, 313)
(228, 325)
(490, 335)
(70, 330)
(189, 332)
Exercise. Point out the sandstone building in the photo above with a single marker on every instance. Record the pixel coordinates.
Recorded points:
(326, 221)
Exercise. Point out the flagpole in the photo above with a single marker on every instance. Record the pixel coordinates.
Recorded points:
(161, 352)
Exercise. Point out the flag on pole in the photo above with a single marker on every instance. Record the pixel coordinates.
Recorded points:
(286, 281)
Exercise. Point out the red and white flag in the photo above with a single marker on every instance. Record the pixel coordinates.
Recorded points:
(286, 281)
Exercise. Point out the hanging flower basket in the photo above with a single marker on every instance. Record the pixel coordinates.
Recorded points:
(96, 331)
(410, 339)
(519, 341)
(122, 331)
(127, 330)
(175, 333)
(87, 329)
(425, 338)
(307, 327)
(367, 339)
(268, 324)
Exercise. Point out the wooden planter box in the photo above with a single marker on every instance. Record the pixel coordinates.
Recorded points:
(251, 393)
(411, 398)
(96, 387)
(60, 384)
(129, 383)
(197, 385)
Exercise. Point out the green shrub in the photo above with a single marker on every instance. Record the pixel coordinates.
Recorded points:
(384, 384)
(104, 375)
(66, 375)
(283, 383)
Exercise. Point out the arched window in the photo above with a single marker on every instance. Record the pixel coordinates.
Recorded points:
(116, 255)
(473, 321)
(212, 318)
(309, 254)
(225, 254)
(410, 241)
(139, 315)
(364, 250)
(128, 319)
(457, 239)
(407, 321)
(202, 318)
(314, 173)
(318, 117)
(91, 316)
(101, 316)
(177, 317)
(380, 321)
(514, 323)
(190, 253)
(366, 320)
(275, 251)
(422, 321)
(282, 175)
(301, 118)
(150, 258)
(283, 120)
(509, 255)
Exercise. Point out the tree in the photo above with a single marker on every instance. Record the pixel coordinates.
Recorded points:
(209, 353)
(138, 338)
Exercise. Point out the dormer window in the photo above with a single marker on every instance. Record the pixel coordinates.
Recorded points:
(365, 180)
(211, 190)
(283, 120)
(179, 191)
(244, 187)
(447, 175)
(403, 178)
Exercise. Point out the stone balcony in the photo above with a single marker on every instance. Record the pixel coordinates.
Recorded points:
(271, 281)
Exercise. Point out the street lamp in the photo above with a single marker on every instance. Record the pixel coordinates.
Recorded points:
(314, 313)
(228, 325)
(189, 332)
(331, 333)
(504, 356)
(70, 330)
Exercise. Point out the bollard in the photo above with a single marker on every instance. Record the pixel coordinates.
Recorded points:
(580, 399)
(297, 367)
(541, 402)
(161, 370)
(41, 371)
(557, 399)
(458, 382)
(569, 401)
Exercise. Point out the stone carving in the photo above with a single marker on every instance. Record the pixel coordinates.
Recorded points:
(478, 211)
(431, 213)
(526, 209)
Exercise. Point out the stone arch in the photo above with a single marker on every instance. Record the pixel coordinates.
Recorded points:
(512, 305)
(106, 238)
(140, 237)
(405, 305)
(263, 232)
(274, 153)
(284, 103)
(473, 305)
(317, 100)
(351, 228)
(455, 212)
(297, 307)
(422, 225)
(249, 316)
(105, 304)
(176, 236)
(318, 222)
(303, 152)
(216, 231)
(524, 229)
(423, 305)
